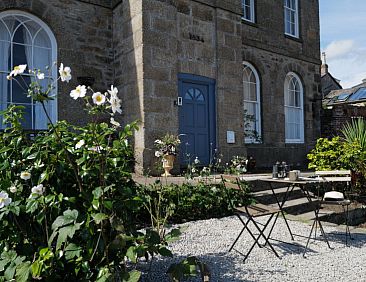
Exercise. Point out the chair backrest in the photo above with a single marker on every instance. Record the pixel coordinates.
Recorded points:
(333, 172)
(335, 178)
(230, 183)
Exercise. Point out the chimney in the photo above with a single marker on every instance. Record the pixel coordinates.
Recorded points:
(324, 69)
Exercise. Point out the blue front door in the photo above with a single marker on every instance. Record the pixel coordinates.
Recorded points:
(196, 118)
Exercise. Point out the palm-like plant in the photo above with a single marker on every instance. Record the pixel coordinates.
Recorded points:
(355, 132)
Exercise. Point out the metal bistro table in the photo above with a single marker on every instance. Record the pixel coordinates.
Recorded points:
(303, 183)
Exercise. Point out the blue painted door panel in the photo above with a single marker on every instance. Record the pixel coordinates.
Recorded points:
(196, 120)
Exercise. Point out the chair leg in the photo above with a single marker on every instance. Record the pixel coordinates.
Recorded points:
(348, 232)
(241, 232)
(256, 238)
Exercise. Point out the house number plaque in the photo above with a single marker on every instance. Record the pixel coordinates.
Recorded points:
(196, 37)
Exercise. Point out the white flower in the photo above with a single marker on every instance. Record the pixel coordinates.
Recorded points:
(96, 149)
(113, 92)
(13, 189)
(78, 92)
(17, 70)
(79, 144)
(4, 199)
(40, 75)
(25, 175)
(196, 160)
(115, 104)
(114, 100)
(65, 73)
(98, 98)
(158, 142)
(39, 189)
(158, 154)
(115, 123)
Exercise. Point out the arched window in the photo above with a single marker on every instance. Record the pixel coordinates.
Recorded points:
(252, 108)
(294, 109)
(25, 39)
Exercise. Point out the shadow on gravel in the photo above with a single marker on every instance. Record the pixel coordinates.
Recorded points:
(358, 240)
(224, 266)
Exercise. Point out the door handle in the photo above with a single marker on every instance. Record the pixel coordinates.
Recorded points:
(180, 101)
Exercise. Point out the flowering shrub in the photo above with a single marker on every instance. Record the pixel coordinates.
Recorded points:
(237, 165)
(168, 145)
(67, 199)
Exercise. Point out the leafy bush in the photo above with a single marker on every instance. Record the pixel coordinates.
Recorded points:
(189, 202)
(329, 155)
(67, 200)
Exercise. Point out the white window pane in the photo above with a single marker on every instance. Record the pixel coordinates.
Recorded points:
(22, 55)
(4, 33)
(5, 56)
(19, 90)
(42, 58)
(42, 40)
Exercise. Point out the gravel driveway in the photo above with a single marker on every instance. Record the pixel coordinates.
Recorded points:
(210, 240)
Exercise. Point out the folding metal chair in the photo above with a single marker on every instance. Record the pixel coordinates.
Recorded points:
(252, 213)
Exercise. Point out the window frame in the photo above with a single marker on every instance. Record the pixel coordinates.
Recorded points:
(258, 117)
(252, 18)
(53, 70)
(288, 78)
(296, 15)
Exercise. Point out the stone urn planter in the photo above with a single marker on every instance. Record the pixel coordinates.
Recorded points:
(168, 163)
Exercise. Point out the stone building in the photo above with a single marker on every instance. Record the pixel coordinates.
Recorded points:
(328, 81)
(341, 106)
(190, 67)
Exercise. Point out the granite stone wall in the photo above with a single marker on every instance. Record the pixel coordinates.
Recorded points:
(83, 33)
(141, 46)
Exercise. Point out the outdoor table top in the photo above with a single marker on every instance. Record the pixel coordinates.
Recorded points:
(309, 180)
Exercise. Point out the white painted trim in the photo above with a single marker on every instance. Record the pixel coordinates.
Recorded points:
(286, 87)
(258, 95)
(296, 10)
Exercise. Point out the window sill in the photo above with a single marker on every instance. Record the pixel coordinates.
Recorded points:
(248, 22)
(294, 38)
(290, 142)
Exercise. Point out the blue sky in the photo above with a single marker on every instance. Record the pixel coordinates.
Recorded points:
(343, 38)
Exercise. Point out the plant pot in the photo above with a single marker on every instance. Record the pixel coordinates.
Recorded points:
(168, 163)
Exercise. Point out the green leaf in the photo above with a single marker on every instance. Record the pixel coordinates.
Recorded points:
(108, 204)
(68, 217)
(22, 272)
(103, 275)
(32, 205)
(97, 193)
(133, 276)
(44, 176)
(131, 254)
(66, 232)
(99, 217)
(72, 250)
(5, 149)
(173, 235)
(32, 156)
(165, 252)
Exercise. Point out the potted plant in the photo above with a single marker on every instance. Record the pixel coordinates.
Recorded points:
(167, 149)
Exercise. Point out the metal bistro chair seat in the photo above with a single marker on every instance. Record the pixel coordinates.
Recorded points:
(337, 198)
(251, 213)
